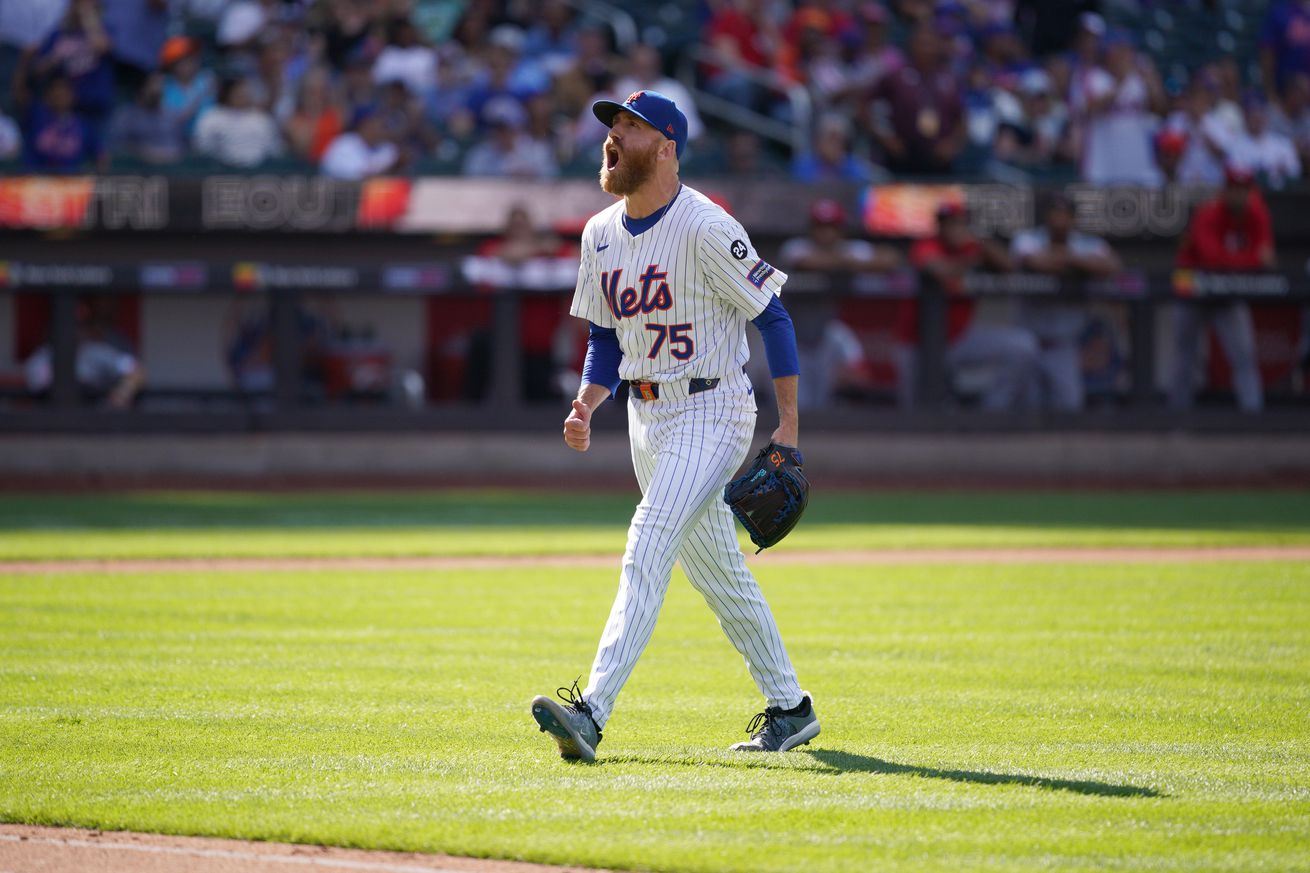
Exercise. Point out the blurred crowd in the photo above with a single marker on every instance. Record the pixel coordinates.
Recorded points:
(355, 88)
(1012, 89)
(1003, 87)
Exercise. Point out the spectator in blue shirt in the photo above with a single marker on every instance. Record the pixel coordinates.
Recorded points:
(831, 159)
(77, 50)
(1284, 44)
(1002, 52)
(189, 89)
(505, 75)
(58, 139)
(447, 105)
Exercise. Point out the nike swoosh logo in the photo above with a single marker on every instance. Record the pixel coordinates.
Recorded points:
(602, 248)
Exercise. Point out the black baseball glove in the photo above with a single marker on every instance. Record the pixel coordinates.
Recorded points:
(770, 496)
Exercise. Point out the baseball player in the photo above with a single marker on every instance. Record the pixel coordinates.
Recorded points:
(1231, 232)
(668, 281)
(1058, 249)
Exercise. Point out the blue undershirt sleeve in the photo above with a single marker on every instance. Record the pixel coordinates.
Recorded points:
(779, 337)
(603, 356)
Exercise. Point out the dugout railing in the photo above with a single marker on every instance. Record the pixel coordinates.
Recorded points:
(287, 406)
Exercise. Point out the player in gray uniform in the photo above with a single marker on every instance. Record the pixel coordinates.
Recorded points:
(668, 281)
(1059, 250)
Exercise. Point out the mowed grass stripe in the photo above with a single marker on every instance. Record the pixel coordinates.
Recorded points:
(778, 558)
(975, 717)
(463, 523)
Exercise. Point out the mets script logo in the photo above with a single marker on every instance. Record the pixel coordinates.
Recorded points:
(654, 294)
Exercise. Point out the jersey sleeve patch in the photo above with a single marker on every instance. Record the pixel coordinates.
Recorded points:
(746, 283)
(760, 273)
(739, 250)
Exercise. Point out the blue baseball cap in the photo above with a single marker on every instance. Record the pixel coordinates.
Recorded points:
(651, 107)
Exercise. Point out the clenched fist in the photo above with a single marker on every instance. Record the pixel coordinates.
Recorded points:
(577, 427)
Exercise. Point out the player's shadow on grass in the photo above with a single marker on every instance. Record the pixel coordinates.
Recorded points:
(848, 762)
(835, 763)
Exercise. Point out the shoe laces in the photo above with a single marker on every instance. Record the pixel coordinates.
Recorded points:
(763, 722)
(574, 701)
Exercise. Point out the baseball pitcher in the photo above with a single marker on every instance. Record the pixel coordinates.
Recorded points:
(668, 281)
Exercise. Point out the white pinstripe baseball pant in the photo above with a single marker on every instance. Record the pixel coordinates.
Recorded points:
(684, 449)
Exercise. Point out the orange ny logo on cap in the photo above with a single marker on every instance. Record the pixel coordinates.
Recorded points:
(634, 96)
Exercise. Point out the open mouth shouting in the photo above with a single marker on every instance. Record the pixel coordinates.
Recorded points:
(625, 169)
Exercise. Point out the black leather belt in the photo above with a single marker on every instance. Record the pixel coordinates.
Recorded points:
(651, 390)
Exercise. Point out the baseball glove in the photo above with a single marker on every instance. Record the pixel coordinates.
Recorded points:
(770, 496)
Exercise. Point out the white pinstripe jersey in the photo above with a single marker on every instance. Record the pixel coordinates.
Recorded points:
(679, 294)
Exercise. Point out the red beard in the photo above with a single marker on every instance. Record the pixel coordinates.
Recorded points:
(632, 169)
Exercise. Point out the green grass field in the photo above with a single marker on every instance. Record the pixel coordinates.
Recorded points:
(997, 717)
(225, 524)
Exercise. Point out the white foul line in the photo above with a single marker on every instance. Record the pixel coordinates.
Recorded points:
(232, 854)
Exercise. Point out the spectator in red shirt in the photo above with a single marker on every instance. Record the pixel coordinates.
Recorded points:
(744, 41)
(1012, 353)
(1233, 233)
(918, 114)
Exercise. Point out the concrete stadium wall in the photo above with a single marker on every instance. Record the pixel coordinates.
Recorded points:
(287, 459)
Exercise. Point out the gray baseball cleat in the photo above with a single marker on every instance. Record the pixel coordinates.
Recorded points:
(571, 725)
(777, 730)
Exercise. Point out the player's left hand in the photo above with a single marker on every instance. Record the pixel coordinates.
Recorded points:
(786, 435)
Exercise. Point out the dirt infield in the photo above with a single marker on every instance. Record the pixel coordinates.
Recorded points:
(30, 849)
(872, 557)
